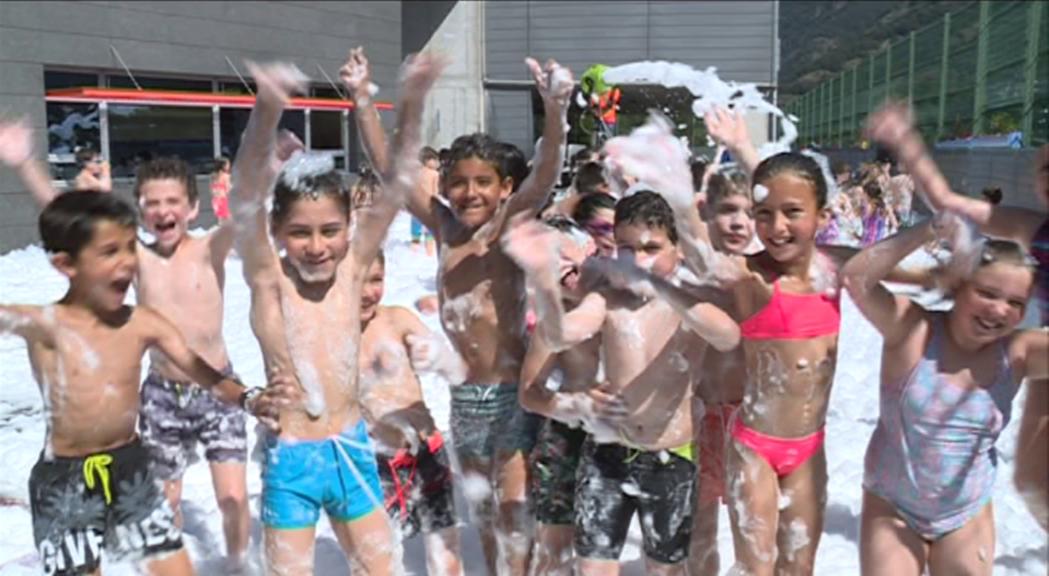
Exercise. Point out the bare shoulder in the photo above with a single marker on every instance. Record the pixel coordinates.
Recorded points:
(403, 319)
(1023, 342)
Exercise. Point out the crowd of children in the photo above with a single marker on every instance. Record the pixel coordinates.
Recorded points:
(682, 353)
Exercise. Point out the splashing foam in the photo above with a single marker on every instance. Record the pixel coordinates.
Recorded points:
(797, 538)
(760, 193)
(303, 166)
(828, 176)
(710, 91)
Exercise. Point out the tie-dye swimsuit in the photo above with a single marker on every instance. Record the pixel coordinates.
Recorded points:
(932, 455)
(1040, 252)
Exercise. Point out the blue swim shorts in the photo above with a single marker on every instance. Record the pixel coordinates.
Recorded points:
(338, 474)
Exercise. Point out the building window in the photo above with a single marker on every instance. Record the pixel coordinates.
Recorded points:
(70, 126)
(326, 135)
(140, 133)
(56, 79)
(152, 83)
(232, 122)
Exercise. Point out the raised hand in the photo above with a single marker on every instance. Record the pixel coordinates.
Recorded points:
(553, 81)
(656, 157)
(419, 73)
(727, 128)
(277, 82)
(16, 143)
(533, 246)
(890, 124)
(356, 76)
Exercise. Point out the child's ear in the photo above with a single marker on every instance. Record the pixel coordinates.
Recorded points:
(825, 215)
(64, 263)
(506, 187)
(194, 211)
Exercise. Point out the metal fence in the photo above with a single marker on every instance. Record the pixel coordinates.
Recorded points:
(982, 70)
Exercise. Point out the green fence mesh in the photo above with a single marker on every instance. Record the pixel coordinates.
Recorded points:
(989, 75)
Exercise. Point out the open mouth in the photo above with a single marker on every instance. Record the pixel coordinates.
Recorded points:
(989, 326)
(780, 242)
(164, 227)
(120, 286)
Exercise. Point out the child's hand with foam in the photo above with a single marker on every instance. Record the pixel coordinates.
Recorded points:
(534, 247)
(356, 76)
(553, 81)
(277, 82)
(428, 354)
(656, 157)
(727, 128)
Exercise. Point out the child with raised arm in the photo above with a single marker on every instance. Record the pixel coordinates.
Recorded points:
(947, 385)
(412, 456)
(728, 211)
(306, 314)
(182, 277)
(546, 378)
(639, 457)
(893, 126)
(481, 294)
(93, 489)
(94, 172)
(787, 299)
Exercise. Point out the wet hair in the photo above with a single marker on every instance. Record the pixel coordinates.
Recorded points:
(580, 157)
(723, 184)
(221, 164)
(68, 223)
(698, 169)
(428, 153)
(329, 183)
(563, 223)
(588, 206)
(884, 156)
(363, 190)
(647, 209)
(798, 165)
(992, 194)
(480, 146)
(589, 178)
(514, 163)
(167, 168)
(1006, 252)
(84, 155)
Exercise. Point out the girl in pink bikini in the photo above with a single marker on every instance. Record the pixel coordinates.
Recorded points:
(786, 298)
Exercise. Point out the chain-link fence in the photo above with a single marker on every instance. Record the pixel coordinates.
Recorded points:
(982, 70)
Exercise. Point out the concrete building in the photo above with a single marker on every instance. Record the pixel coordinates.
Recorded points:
(75, 70)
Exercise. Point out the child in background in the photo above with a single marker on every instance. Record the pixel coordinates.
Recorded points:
(545, 377)
(879, 219)
(639, 456)
(728, 211)
(93, 489)
(220, 181)
(481, 293)
(947, 387)
(893, 126)
(787, 296)
(596, 214)
(182, 277)
(306, 315)
(94, 171)
(412, 456)
(431, 181)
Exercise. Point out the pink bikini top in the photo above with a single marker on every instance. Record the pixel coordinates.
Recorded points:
(793, 316)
